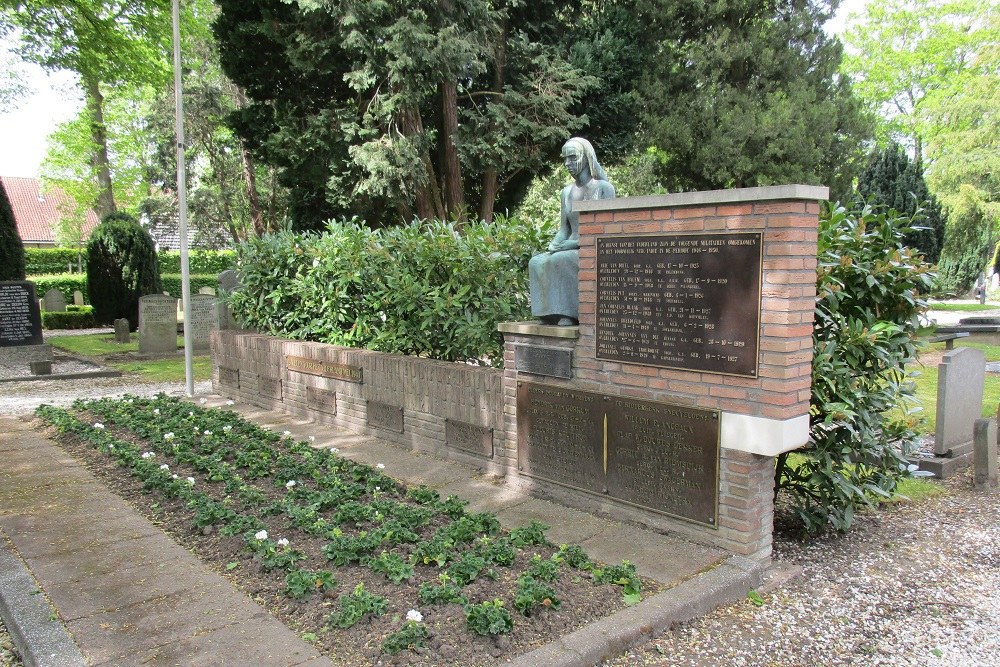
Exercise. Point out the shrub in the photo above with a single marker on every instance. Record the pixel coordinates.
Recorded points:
(121, 267)
(11, 246)
(171, 283)
(199, 261)
(870, 293)
(82, 319)
(67, 283)
(423, 289)
(967, 245)
(40, 261)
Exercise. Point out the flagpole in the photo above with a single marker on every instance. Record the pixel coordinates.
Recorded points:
(182, 206)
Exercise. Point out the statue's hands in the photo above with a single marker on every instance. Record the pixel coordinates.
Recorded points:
(566, 244)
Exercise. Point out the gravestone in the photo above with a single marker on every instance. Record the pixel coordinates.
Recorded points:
(77, 298)
(961, 375)
(229, 282)
(985, 457)
(122, 334)
(204, 320)
(55, 302)
(157, 324)
(20, 318)
(206, 290)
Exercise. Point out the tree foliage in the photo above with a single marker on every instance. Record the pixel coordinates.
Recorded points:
(121, 267)
(967, 246)
(894, 182)
(870, 293)
(745, 93)
(11, 246)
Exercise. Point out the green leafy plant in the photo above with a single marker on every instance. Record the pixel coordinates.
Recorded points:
(526, 536)
(443, 593)
(488, 618)
(300, 583)
(623, 575)
(356, 605)
(532, 593)
(871, 291)
(412, 635)
(392, 566)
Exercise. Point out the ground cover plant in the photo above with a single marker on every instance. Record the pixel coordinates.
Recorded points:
(364, 567)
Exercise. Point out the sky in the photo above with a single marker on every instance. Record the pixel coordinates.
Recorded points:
(56, 99)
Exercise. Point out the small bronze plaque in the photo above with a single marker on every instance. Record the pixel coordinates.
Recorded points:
(469, 437)
(383, 415)
(229, 377)
(657, 456)
(321, 400)
(325, 369)
(687, 301)
(539, 360)
(269, 387)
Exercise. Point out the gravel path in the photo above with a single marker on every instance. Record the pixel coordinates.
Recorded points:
(7, 656)
(21, 398)
(913, 584)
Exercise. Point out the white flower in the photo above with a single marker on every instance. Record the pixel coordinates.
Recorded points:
(312, 438)
(315, 262)
(98, 425)
(230, 402)
(286, 433)
(203, 401)
(190, 413)
(282, 542)
(111, 446)
(174, 476)
(334, 450)
(148, 455)
(414, 615)
(380, 466)
(156, 411)
(290, 483)
(378, 488)
(227, 428)
(260, 535)
(208, 432)
(164, 467)
(191, 481)
(168, 436)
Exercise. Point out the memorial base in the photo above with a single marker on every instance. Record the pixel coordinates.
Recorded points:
(22, 355)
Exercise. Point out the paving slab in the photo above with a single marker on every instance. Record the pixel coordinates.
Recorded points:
(566, 525)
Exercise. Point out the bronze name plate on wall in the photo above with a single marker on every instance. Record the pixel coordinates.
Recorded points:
(383, 415)
(657, 456)
(321, 400)
(326, 369)
(687, 301)
(539, 360)
(469, 437)
(229, 377)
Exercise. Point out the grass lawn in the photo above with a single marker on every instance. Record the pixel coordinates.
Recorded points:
(98, 347)
(964, 307)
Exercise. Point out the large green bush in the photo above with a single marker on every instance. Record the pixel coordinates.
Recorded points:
(11, 247)
(870, 293)
(121, 267)
(423, 289)
(41, 261)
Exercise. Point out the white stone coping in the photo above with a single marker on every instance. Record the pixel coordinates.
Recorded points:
(538, 329)
(760, 435)
(708, 197)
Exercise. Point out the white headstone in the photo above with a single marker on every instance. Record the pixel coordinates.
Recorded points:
(55, 302)
(77, 298)
(204, 320)
(961, 375)
(207, 290)
(157, 324)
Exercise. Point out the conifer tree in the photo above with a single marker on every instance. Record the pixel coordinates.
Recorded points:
(11, 246)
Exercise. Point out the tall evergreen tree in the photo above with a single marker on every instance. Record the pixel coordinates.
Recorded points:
(892, 180)
(11, 246)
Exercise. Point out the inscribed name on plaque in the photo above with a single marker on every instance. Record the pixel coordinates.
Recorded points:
(686, 301)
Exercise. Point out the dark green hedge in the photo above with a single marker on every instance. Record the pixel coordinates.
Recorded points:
(172, 283)
(66, 283)
(41, 261)
(69, 320)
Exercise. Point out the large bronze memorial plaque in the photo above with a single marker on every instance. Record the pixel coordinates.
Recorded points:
(687, 301)
(657, 456)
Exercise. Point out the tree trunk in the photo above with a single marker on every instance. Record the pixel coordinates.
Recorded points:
(427, 194)
(454, 195)
(105, 204)
(249, 175)
(491, 175)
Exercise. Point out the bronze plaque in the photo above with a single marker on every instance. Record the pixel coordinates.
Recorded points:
(383, 415)
(540, 360)
(654, 455)
(269, 387)
(229, 377)
(469, 437)
(325, 369)
(321, 400)
(686, 301)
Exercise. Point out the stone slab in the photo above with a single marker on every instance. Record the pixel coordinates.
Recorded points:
(943, 467)
(985, 455)
(961, 375)
(20, 315)
(55, 301)
(77, 298)
(709, 197)
(204, 320)
(157, 324)
(566, 525)
(538, 329)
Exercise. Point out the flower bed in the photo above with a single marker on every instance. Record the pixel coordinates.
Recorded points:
(362, 566)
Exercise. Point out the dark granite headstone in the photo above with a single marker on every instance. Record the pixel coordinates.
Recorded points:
(20, 318)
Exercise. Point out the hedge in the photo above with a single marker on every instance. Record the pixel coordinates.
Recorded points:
(69, 320)
(44, 261)
(172, 283)
(68, 282)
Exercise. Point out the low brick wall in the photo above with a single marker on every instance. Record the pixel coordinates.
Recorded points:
(447, 409)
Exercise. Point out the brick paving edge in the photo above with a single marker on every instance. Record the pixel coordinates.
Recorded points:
(612, 636)
(41, 641)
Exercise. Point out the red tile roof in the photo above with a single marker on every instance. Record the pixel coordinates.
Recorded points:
(37, 212)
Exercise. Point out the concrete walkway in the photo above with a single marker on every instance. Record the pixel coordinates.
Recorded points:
(129, 595)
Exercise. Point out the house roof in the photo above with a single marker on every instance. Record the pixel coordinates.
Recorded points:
(36, 212)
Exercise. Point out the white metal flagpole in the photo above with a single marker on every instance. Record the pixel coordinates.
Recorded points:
(182, 206)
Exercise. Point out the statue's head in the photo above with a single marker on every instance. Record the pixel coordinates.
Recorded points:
(582, 154)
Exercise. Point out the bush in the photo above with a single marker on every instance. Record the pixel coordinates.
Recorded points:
(199, 261)
(121, 267)
(41, 261)
(82, 319)
(11, 246)
(67, 283)
(966, 247)
(870, 293)
(423, 289)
